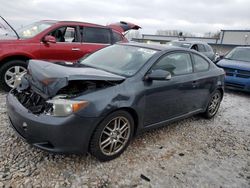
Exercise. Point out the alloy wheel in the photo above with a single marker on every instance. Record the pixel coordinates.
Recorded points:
(12, 73)
(214, 104)
(115, 136)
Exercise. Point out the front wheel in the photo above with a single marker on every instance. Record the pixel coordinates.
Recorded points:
(112, 136)
(9, 72)
(213, 105)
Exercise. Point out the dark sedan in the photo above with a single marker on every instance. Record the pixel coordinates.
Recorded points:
(100, 103)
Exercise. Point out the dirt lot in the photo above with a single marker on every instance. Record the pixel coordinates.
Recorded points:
(190, 153)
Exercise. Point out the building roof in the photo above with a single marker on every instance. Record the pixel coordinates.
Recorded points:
(236, 30)
(189, 41)
(177, 36)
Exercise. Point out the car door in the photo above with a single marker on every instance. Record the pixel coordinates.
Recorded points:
(170, 98)
(204, 83)
(66, 48)
(94, 38)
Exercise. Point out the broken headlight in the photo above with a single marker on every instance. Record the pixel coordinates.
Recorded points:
(64, 107)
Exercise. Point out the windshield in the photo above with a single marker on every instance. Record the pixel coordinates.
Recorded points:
(179, 44)
(5, 30)
(33, 29)
(240, 54)
(119, 59)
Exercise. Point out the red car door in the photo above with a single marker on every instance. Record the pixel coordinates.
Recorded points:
(67, 46)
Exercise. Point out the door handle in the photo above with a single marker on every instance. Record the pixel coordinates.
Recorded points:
(75, 49)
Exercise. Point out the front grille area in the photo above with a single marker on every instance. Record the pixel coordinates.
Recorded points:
(32, 101)
(243, 74)
(237, 73)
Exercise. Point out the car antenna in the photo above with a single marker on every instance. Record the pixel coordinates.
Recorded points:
(11, 27)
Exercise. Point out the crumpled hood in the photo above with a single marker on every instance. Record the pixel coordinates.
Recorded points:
(48, 78)
(227, 63)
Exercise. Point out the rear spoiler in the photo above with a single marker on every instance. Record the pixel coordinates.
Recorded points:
(123, 26)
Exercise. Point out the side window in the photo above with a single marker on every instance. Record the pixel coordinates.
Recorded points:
(96, 35)
(176, 63)
(200, 64)
(194, 47)
(65, 34)
(201, 48)
(70, 34)
(117, 37)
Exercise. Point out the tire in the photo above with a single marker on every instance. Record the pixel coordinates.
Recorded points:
(213, 105)
(9, 67)
(108, 142)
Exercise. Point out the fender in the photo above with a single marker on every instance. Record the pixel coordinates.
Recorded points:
(11, 56)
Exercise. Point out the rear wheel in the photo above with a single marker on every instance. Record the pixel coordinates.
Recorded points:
(112, 136)
(10, 71)
(213, 104)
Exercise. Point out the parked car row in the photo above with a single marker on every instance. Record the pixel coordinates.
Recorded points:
(236, 63)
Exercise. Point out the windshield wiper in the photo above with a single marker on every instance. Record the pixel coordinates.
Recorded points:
(228, 58)
(84, 65)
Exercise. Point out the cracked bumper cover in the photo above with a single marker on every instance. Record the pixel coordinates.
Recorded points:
(55, 134)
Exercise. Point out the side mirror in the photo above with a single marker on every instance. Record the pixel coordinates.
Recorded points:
(158, 75)
(49, 39)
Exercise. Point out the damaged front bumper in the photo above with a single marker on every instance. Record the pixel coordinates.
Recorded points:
(69, 134)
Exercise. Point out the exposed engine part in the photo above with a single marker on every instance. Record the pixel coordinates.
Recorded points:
(32, 101)
(36, 104)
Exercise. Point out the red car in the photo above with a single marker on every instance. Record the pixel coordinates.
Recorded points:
(53, 41)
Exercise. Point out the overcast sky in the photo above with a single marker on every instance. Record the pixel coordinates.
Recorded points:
(195, 16)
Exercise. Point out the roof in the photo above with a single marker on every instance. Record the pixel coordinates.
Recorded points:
(72, 22)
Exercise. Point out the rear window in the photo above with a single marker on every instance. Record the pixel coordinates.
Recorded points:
(96, 35)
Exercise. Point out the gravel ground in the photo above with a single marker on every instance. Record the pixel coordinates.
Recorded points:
(191, 153)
